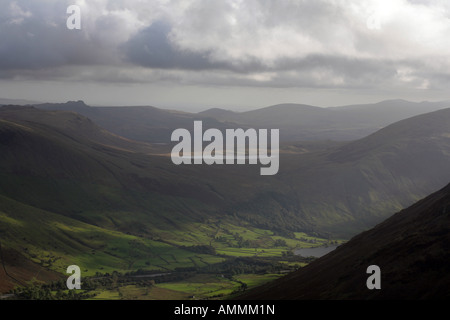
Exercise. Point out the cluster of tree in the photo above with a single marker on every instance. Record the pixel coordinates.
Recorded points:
(243, 265)
(291, 257)
(308, 240)
(243, 286)
(286, 254)
(241, 242)
(280, 243)
(45, 293)
(205, 249)
(57, 290)
(221, 239)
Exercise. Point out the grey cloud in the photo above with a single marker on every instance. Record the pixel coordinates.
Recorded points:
(343, 65)
(41, 40)
(35, 43)
(30, 42)
(152, 48)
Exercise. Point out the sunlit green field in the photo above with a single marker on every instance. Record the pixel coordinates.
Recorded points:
(65, 241)
(201, 286)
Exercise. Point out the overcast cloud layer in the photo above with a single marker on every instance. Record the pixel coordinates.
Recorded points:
(346, 44)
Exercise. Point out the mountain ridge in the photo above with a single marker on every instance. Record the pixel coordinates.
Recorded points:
(297, 122)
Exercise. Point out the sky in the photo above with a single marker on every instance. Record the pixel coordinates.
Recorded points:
(234, 54)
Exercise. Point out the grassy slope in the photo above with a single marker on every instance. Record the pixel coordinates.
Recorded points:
(56, 241)
(51, 183)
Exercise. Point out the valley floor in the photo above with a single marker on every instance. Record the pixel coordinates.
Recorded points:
(225, 268)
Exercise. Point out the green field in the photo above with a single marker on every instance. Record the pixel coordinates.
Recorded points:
(199, 286)
(101, 252)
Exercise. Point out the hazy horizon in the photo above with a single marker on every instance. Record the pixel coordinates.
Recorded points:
(197, 109)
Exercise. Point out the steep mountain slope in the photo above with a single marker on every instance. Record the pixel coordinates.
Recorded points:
(412, 249)
(62, 162)
(350, 188)
(72, 124)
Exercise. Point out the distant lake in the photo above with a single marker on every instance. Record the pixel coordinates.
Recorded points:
(314, 252)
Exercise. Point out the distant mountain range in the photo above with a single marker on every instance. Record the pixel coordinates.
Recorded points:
(147, 124)
(304, 122)
(17, 102)
(412, 250)
(296, 122)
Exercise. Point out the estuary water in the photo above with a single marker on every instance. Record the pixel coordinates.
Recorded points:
(314, 252)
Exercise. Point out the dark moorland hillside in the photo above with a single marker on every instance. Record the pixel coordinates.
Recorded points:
(51, 159)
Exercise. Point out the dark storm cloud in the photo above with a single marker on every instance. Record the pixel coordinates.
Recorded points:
(152, 48)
